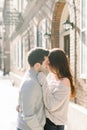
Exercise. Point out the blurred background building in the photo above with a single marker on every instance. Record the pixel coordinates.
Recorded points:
(48, 24)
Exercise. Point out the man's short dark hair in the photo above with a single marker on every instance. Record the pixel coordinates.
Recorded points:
(37, 55)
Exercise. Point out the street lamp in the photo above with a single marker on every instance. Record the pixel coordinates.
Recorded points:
(68, 25)
(47, 35)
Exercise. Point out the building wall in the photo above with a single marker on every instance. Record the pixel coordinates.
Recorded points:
(32, 24)
(56, 23)
(6, 40)
(81, 84)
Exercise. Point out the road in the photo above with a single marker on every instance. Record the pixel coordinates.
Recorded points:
(8, 102)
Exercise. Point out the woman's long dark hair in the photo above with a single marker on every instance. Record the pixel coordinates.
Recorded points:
(59, 64)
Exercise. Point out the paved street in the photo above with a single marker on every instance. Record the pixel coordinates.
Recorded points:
(8, 102)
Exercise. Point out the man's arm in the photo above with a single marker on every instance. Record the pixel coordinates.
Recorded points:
(29, 98)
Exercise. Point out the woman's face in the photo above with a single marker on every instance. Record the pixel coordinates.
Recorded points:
(51, 68)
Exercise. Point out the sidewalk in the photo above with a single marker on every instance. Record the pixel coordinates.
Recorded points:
(8, 102)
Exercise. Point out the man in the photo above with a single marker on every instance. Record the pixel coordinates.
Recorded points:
(31, 114)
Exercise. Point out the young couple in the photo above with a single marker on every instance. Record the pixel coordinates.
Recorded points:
(43, 100)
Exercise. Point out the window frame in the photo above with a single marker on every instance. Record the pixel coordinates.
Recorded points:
(83, 49)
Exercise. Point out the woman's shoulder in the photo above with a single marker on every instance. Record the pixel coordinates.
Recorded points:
(66, 82)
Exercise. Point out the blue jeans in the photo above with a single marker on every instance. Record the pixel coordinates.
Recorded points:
(51, 126)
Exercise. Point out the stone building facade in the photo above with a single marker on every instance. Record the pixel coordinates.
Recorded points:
(42, 24)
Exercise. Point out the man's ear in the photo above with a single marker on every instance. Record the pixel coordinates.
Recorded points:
(37, 66)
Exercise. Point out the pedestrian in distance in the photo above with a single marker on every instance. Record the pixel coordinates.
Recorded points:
(31, 111)
(58, 87)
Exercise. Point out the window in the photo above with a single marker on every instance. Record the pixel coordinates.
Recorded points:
(83, 39)
(18, 5)
(41, 30)
(39, 36)
(20, 54)
(67, 45)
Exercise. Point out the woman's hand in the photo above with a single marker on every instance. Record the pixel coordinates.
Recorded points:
(41, 78)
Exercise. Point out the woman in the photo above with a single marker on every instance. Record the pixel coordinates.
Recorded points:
(57, 90)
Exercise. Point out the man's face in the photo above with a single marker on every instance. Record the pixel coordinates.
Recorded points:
(43, 66)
